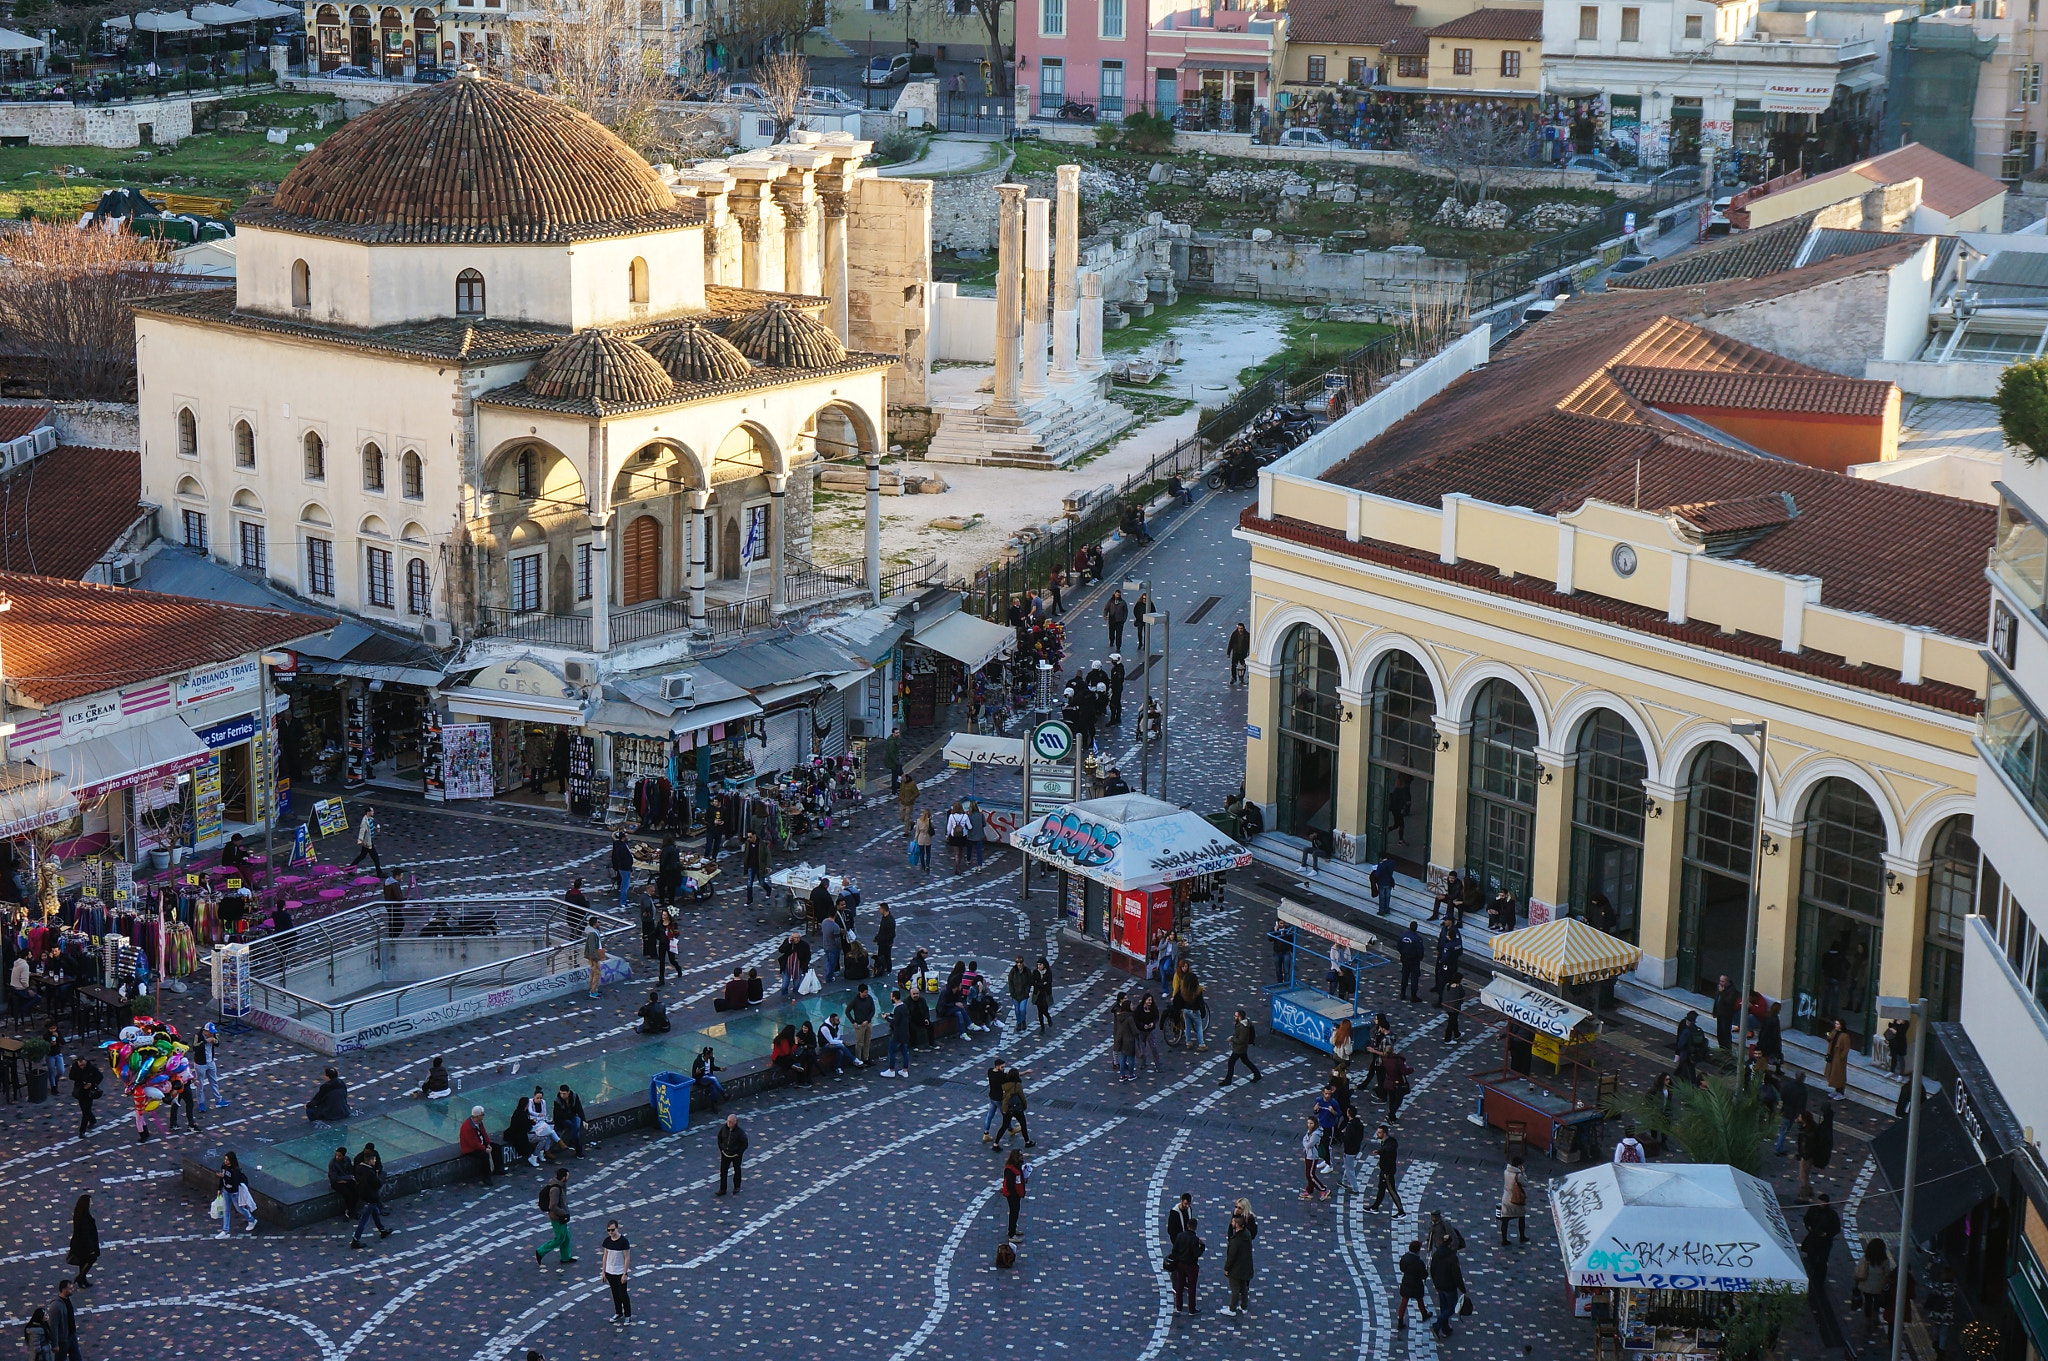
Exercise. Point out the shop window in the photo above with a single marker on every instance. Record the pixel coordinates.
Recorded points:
(195, 529)
(1113, 19)
(302, 284)
(1052, 18)
(319, 567)
(373, 468)
(526, 582)
(245, 445)
(1693, 25)
(413, 472)
(1461, 61)
(377, 577)
(469, 294)
(1317, 70)
(1052, 78)
(1631, 24)
(1589, 23)
(636, 280)
(419, 594)
(316, 457)
(188, 432)
(1511, 64)
(1112, 96)
(253, 556)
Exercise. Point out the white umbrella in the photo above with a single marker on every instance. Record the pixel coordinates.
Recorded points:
(155, 22)
(10, 41)
(1130, 841)
(1673, 1226)
(264, 9)
(221, 16)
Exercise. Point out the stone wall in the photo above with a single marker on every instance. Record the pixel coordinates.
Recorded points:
(98, 425)
(1303, 271)
(964, 210)
(889, 236)
(114, 125)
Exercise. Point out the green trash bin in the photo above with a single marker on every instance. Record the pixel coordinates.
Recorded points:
(669, 1093)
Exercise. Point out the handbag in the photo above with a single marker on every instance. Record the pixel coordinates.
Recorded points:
(1465, 1305)
(218, 1208)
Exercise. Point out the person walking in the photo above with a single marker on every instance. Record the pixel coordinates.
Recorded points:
(1449, 1280)
(1385, 1156)
(714, 830)
(1041, 993)
(1454, 1009)
(1350, 1141)
(1243, 1035)
(896, 1062)
(1015, 1178)
(205, 1060)
(1239, 651)
(1014, 1107)
(618, 1262)
(593, 954)
(622, 867)
(85, 1240)
(554, 1202)
(234, 1193)
(922, 839)
(1839, 1043)
(63, 1323)
(1185, 1259)
(1410, 948)
(861, 1012)
(366, 842)
(1414, 1284)
(1018, 985)
(1238, 1266)
(906, 801)
(1514, 1200)
(1394, 1083)
(369, 1190)
(754, 860)
(956, 836)
(885, 941)
(977, 833)
(832, 939)
(1823, 1226)
(85, 1089)
(998, 1077)
(670, 952)
(732, 1152)
(1816, 1149)
(1873, 1282)
(1115, 611)
(1147, 1016)
(1311, 1141)
(1792, 1094)
(668, 874)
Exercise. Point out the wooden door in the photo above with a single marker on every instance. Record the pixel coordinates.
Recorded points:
(641, 570)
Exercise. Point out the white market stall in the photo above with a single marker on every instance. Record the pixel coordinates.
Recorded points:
(1674, 1246)
(995, 777)
(1140, 862)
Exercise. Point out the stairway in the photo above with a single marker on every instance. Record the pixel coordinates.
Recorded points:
(1049, 433)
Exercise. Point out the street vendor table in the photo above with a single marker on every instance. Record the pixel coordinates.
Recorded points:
(1548, 1120)
(797, 881)
(101, 1011)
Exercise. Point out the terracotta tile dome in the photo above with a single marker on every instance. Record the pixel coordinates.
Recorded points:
(473, 160)
(693, 354)
(597, 366)
(781, 337)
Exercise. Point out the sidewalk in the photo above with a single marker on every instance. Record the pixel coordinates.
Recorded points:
(951, 153)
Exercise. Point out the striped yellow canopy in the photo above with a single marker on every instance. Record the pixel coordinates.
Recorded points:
(1565, 951)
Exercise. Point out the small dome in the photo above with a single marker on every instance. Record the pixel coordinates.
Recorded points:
(781, 337)
(597, 366)
(692, 354)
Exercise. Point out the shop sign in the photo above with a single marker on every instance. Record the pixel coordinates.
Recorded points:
(1966, 1114)
(333, 817)
(232, 733)
(1798, 96)
(522, 678)
(207, 809)
(212, 682)
(92, 715)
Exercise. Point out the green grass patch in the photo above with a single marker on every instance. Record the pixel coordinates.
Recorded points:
(225, 165)
(1143, 331)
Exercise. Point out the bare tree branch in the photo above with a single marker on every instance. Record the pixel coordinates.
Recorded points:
(596, 56)
(756, 28)
(782, 77)
(1470, 140)
(65, 296)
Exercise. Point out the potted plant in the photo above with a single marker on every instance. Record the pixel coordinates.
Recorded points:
(33, 1052)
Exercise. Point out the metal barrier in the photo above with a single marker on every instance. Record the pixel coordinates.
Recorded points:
(1513, 276)
(534, 626)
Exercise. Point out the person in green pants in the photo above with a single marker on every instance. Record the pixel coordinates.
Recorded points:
(554, 1198)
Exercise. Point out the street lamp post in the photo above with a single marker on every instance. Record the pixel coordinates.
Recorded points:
(1761, 730)
(1893, 1009)
(1162, 621)
(267, 792)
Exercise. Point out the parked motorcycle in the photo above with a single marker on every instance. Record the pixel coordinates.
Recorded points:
(1083, 113)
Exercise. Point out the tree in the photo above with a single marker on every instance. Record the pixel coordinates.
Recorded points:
(990, 13)
(595, 56)
(756, 28)
(1715, 1123)
(782, 77)
(65, 303)
(2023, 408)
(1475, 140)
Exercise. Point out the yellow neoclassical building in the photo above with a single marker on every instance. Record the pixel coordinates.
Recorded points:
(1529, 612)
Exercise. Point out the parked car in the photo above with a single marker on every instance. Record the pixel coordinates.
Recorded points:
(1629, 264)
(432, 75)
(1537, 311)
(1679, 174)
(886, 70)
(1604, 170)
(827, 94)
(351, 73)
(1308, 137)
(1718, 223)
(741, 92)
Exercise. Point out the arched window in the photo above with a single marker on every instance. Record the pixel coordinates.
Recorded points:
(528, 483)
(302, 284)
(1841, 911)
(1310, 713)
(1951, 896)
(245, 445)
(413, 476)
(188, 432)
(419, 593)
(1500, 832)
(636, 280)
(1402, 760)
(316, 457)
(1607, 820)
(373, 468)
(469, 294)
(1720, 854)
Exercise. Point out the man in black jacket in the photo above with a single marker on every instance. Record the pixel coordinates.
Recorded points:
(1186, 1260)
(1351, 1141)
(732, 1147)
(1449, 1280)
(369, 1187)
(569, 1118)
(622, 866)
(1823, 1227)
(1385, 1155)
(1410, 947)
(341, 1179)
(885, 937)
(331, 1101)
(64, 1323)
(653, 1016)
(1727, 1005)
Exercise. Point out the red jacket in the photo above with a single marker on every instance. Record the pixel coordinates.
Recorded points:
(475, 1138)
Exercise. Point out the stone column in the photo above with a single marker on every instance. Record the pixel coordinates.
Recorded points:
(1091, 322)
(700, 558)
(711, 185)
(778, 487)
(835, 281)
(1036, 213)
(1447, 797)
(1550, 859)
(600, 590)
(1663, 879)
(753, 203)
(1065, 264)
(799, 261)
(1009, 297)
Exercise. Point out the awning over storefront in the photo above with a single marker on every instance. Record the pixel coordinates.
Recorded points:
(1538, 1010)
(972, 642)
(1673, 1226)
(1224, 64)
(1861, 79)
(31, 797)
(1565, 951)
(972, 749)
(1801, 95)
(712, 715)
(353, 649)
(1950, 1177)
(1130, 841)
(510, 704)
(1324, 925)
(101, 765)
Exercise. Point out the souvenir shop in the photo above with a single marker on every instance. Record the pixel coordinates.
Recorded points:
(955, 659)
(325, 734)
(508, 735)
(1571, 123)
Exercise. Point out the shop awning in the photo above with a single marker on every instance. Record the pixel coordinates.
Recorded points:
(155, 22)
(1861, 79)
(1324, 925)
(508, 704)
(1224, 64)
(32, 796)
(972, 749)
(1130, 841)
(1565, 951)
(711, 715)
(1798, 96)
(266, 9)
(10, 41)
(620, 718)
(972, 642)
(1538, 1010)
(1673, 1226)
(1950, 1178)
(100, 765)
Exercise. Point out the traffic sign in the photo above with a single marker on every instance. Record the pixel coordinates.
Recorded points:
(1052, 740)
(1049, 787)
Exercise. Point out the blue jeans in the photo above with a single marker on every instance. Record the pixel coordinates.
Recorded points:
(369, 1212)
(831, 964)
(979, 847)
(1386, 899)
(227, 1218)
(789, 985)
(1126, 1064)
(209, 1078)
(625, 887)
(55, 1064)
(995, 1113)
(1196, 1031)
(899, 1050)
(753, 878)
(1784, 1128)
(717, 1088)
(572, 1133)
(1020, 1011)
(959, 1015)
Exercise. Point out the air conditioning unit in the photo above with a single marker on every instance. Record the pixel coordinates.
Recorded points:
(45, 437)
(437, 633)
(579, 671)
(680, 687)
(126, 571)
(863, 727)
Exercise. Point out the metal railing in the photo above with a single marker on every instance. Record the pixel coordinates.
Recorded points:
(1514, 275)
(534, 626)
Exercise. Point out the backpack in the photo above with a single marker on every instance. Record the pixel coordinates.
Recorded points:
(545, 1188)
(1006, 1257)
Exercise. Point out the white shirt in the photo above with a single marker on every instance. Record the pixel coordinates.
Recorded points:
(18, 980)
(615, 1256)
(1629, 1151)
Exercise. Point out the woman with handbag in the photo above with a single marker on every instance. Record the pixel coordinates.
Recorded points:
(233, 1194)
(1514, 1200)
(1014, 1185)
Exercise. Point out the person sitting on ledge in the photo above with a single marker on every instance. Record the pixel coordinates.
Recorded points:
(478, 1146)
(785, 1056)
(331, 1101)
(704, 1073)
(437, 1087)
(755, 988)
(653, 1016)
(735, 998)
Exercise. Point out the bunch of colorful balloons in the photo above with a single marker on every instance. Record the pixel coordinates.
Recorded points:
(151, 1064)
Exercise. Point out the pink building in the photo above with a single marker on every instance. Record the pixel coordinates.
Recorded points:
(1121, 56)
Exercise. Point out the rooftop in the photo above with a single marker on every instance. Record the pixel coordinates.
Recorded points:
(60, 512)
(1947, 186)
(1500, 25)
(1347, 23)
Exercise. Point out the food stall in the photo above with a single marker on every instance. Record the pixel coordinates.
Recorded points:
(1548, 1087)
(995, 779)
(1300, 1007)
(1672, 1248)
(1127, 869)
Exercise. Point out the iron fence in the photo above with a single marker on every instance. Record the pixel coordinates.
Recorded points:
(534, 626)
(1514, 275)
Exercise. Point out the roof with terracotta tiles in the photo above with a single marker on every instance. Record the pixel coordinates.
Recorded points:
(473, 160)
(1662, 387)
(785, 338)
(18, 418)
(600, 367)
(1500, 25)
(66, 639)
(1745, 255)
(1347, 23)
(1947, 186)
(62, 511)
(1738, 515)
(696, 354)
(1413, 43)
